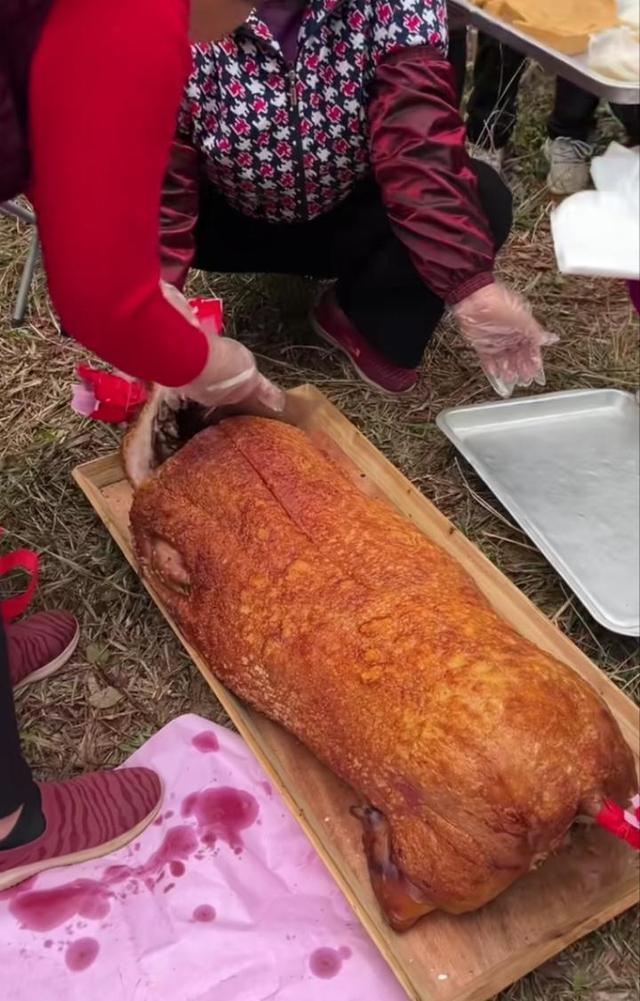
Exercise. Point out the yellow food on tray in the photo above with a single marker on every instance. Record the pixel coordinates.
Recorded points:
(565, 25)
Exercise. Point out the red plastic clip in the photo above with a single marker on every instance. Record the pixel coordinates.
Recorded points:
(114, 399)
(209, 314)
(624, 824)
(22, 559)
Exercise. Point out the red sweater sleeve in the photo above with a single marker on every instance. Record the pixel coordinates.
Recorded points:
(106, 83)
(179, 214)
(427, 183)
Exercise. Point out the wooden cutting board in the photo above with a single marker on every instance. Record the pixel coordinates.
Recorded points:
(444, 958)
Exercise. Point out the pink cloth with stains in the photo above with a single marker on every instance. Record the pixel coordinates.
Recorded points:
(222, 899)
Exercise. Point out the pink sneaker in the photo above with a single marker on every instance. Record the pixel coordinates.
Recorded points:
(333, 325)
(85, 818)
(40, 645)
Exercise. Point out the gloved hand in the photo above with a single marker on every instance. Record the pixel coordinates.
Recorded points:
(230, 375)
(500, 327)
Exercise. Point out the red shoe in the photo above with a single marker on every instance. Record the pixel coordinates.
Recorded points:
(85, 818)
(331, 323)
(40, 645)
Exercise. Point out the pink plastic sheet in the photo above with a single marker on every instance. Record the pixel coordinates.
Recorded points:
(221, 899)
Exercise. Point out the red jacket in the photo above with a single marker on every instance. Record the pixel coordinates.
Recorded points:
(371, 90)
(89, 94)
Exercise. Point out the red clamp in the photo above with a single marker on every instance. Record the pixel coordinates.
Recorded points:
(117, 399)
(624, 824)
(114, 399)
(208, 313)
(22, 559)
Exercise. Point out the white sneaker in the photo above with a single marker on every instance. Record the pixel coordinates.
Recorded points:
(493, 157)
(569, 165)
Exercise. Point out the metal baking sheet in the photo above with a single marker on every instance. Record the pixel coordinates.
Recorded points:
(573, 68)
(566, 465)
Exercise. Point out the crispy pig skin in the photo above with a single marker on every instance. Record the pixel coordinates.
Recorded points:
(334, 616)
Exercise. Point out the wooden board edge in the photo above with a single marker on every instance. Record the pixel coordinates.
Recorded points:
(499, 979)
(100, 472)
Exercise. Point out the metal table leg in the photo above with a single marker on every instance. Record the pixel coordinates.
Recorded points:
(20, 307)
(16, 211)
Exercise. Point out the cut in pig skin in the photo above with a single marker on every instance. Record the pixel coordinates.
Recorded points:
(471, 751)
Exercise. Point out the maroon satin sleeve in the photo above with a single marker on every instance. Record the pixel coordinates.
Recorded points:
(179, 214)
(425, 176)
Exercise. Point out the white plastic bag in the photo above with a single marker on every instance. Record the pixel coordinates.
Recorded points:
(615, 53)
(598, 232)
(629, 14)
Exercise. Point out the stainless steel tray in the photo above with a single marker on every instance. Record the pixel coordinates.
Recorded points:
(573, 68)
(566, 465)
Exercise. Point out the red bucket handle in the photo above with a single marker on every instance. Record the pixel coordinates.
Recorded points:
(22, 559)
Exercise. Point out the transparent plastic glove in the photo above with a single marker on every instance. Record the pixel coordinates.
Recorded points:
(230, 375)
(508, 340)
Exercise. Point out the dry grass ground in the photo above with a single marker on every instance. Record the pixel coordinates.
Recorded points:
(127, 649)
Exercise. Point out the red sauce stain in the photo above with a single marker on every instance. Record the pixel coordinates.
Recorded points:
(13, 891)
(81, 954)
(325, 963)
(204, 913)
(116, 874)
(168, 815)
(41, 910)
(158, 820)
(179, 843)
(222, 814)
(266, 788)
(206, 742)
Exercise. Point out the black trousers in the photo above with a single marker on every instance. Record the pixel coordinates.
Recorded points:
(378, 286)
(493, 104)
(16, 782)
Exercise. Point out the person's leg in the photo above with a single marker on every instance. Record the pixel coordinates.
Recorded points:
(573, 114)
(380, 290)
(457, 56)
(629, 116)
(50, 824)
(17, 786)
(568, 148)
(228, 242)
(492, 107)
(457, 53)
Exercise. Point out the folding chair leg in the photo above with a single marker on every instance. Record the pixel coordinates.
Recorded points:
(20, 308)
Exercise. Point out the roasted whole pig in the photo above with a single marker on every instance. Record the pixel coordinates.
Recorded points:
(470, 751)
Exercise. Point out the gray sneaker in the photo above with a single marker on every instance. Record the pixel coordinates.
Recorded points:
(569, 165)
